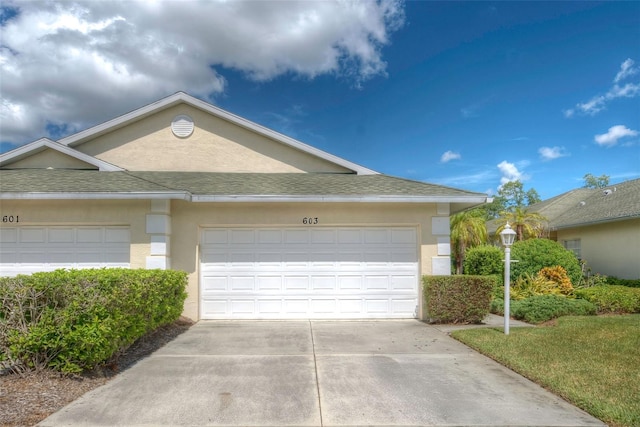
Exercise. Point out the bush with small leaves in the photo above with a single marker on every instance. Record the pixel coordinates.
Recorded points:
(542, 308)
(72, 320)
(457, 299)
(612, 298)
(484, 260)
(535, 254)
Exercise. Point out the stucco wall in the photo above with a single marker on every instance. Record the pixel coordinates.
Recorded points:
(612, 249)
(185, 221)
(215, 146)
(188, 220)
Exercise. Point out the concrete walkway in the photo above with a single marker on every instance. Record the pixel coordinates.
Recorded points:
(318, 373)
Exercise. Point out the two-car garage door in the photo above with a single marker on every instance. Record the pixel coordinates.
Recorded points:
(309, 273)
(30, 249)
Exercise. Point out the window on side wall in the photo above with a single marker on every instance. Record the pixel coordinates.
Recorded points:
(573, 246)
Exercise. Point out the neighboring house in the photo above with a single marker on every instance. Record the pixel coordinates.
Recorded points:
(601, 226)
(264, 225)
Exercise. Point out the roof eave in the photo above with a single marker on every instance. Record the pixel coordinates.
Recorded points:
(595, 222)
(95, 195)
(202, 198)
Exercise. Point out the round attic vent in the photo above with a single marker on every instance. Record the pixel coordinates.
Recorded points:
(182, 126)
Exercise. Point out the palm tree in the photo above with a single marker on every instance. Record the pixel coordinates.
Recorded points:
(468, 229)
(526, 224)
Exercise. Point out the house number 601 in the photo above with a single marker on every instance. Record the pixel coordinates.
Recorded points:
(310, 221)
(10, 218)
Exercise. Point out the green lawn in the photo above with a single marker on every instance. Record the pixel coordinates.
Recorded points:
(591, 361)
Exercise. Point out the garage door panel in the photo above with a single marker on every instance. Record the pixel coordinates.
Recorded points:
(377, 306)
(323, 237)
(404, 283)
(117, 235)
(90, 235)
(296, 237)
(403, 236)
(296, 283)
(33, 235)
(323, 283)
(62, 235)
(309, 273)
(242, 236)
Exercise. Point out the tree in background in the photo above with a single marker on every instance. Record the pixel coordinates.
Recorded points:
(468, 229)
(591, 181)
(510, 196)
(526, 224)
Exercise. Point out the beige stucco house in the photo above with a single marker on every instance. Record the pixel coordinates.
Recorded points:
(601, 226)
(264, 225)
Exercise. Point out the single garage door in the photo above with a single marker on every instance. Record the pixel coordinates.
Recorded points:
(25, 250)
(331, 273)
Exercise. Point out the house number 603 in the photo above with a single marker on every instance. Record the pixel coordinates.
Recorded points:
(310, 221)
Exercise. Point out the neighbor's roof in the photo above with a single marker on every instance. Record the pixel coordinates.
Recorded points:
(208, 186)
(586, 206)
(613, 203)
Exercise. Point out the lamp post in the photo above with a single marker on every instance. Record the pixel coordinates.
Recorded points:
(507, 236)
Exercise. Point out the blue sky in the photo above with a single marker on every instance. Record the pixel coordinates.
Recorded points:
(468, 95)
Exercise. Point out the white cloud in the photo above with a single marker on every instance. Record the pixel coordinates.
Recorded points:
(510, 172)
(552, 153)
(77, 63)
(626, 69)
(614, 134)
(599, 102)
(449, 155)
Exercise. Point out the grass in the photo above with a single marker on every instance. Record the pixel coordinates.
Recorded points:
(591, 361)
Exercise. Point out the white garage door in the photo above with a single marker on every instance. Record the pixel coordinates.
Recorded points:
(331, 273)
(25, 250)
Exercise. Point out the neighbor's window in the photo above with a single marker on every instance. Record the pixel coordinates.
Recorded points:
(573, 246)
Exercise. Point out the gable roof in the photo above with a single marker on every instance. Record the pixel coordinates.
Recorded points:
(44, 144)
(226, 187)
(587, 206)
(613, 203)
(181, 97)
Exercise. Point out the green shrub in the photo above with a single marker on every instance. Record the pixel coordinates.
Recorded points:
(612, 298)
(484, 260)
(458, 299)
(535, 254)
(631, 283)
(497, 305)
(541, 308)
(71, 320)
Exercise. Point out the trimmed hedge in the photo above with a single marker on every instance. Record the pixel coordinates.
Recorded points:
(73, 320)
(612, 298)
(457, 299)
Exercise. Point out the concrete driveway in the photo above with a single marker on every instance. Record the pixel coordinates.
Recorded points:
(318, 373)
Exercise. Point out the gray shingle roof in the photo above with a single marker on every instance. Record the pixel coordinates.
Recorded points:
(584, 206)
(615, 202)
(14, 182)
